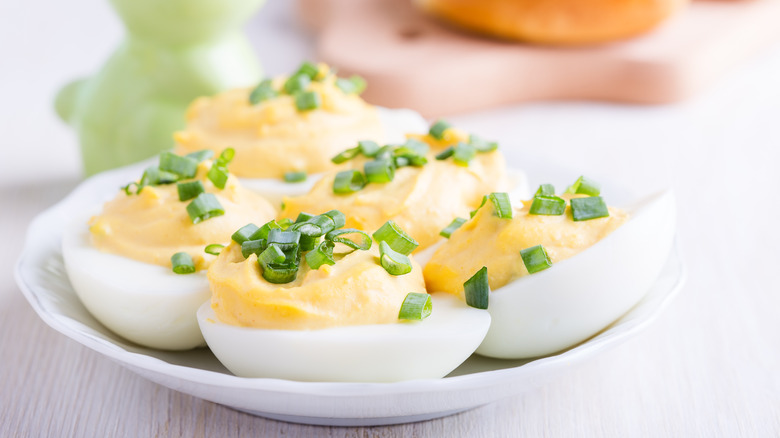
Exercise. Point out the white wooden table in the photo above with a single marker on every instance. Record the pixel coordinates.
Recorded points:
(710, 366)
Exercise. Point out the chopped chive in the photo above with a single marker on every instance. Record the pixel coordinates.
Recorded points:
(263, 91)
(132, 188)
(463, 154)
(214, 249)
(548, 206)
(303, 217)
(401, 161)
(189, 190)
(296, 83)
(345, 155)
(394, 262)
(438, 128)
(584, 186)
(280, 273)
(182, 263)
(482, 145)
(308, 243)
(244, 233)
(255, 246)
(535, 259)
(285, 239)
(308, 69)
(379, 171)
(294, 177)
(545, 190)
(154, 176)
(363, 241)
(353, 85)
(593, 207)
(474, 212)
(272, 254)
(218, 176)
(477, 289)
(413, 147)
(321, 255)
(385, 152)
(454, 225)
(185, 167)
(416, 307)
(203, 207)
(443, 155)
(502, 205)
(368, 148)
(308, 100)
(284, 222)
(226, 156)
(348, 181)
(265, 230)
(201, 155)
(339, 219)
(398, 240)
(320, 225)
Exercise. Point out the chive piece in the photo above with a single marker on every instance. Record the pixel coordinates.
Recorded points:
(272, 254)
(438, 128)
(185, 167)
(296, 83)
(154, 176)
(218, 176)
(203, 207)
(463, 154)
(201, 155)
(474, 212)
(265, 230)
(263, 91)
(454, 225)
(401, 161)
(502, 204)
(182, 263)
(303, 217)
(307, 100)
(286, 240)
(294, 177)
(316, 226)
(280, 273)
(398, 240)
(321, 255)
(394, 262)
(226, 156)
(548, 206)
(443, 155)
(131, 188)
(308, 69)
(413, 147)
(345, 155)
(284, 222)
(535, 259)
(379, 171)
(244, 233)
(308, 243)
(363, 242)
(189, 190)
(255, 246)
(368, 148)
(214, 249)
(385, 152)
(593, 207)
(477, 289)
(584, 186)
(416, 307)
(545, 190)
(348, 181)
(339, 219)
(353, 85)
(482, 145)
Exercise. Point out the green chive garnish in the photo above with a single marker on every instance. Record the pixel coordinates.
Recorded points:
(132, 188)
(477, 289)
(362, 242)
(256, 246)
(482, 145)
(203, 207)
(308, 69)
(294, 177)
(454, 225)
(474, 212)
(545, 190)
(584, 186)
(262, 92)
(463, 154)
(218, 176)
(308, 100)
(265, 230)
(501, 203)
(535, 259)
(214, 249)
(182, 263)
(548, 206)
(185, 167)
(285, 222)
(398, 240)
(394, 262)
(339, 219)
(416, 307)
(353, 85)
(438, 128)
(154, 176)
(593, 207)
(346, 155)
(296, 83)
(348, 181)
(285, 239)
(244, 233)
(321, 255)
(272, 254)
(443, 155)
(379, 171)
(189, 190)
(368, 148)
(201, 155)
(280, 273)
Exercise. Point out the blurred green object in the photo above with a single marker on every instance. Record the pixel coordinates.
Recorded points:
(175, 51)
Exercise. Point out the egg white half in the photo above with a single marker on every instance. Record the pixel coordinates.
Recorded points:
(559, 307)
(368, 353)
(144, 303)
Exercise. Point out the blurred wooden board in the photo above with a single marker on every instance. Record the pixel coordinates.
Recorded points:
(411, 60)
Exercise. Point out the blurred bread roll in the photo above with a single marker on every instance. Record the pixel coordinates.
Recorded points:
(563, 22)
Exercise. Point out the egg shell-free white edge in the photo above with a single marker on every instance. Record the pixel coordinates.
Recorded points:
(368, 353)
(557, 308)
(144, 303)
(396, 122)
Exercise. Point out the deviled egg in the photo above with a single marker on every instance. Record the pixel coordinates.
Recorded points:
(127, 262)
(588, 265)
(313, 301)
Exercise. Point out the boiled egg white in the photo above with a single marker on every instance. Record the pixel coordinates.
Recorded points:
(551, 310)
(366, 353)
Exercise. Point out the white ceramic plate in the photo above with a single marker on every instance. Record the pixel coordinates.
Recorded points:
(41, 276)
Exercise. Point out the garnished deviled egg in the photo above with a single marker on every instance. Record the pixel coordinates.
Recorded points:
(557, 269)
(138, 264)
(286, 130)
(309, 300)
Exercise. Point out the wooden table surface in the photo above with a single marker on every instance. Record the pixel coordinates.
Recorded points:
(709, 366)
